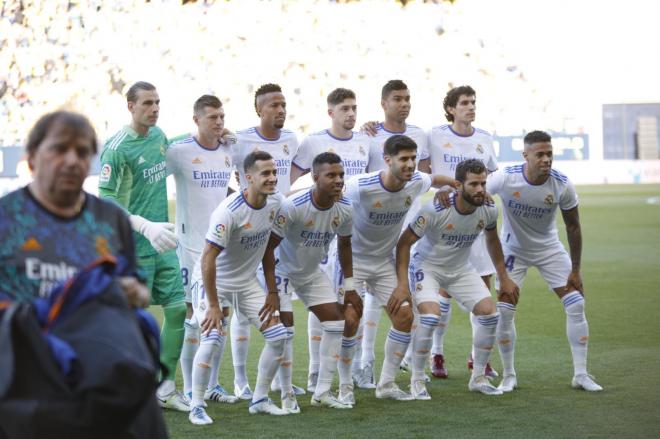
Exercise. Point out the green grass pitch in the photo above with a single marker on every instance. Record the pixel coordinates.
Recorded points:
(621, 272)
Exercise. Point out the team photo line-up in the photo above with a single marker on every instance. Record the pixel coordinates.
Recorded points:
(358, 242)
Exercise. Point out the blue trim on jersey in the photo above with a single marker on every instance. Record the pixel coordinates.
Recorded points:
(461, 135)
(204, 147)
(236, 203)
(302, 199)
(251, 206)
(344, 200)
(337, 138)
(439, 207)
(413, 232)
(279, 134)
(382, 126)
(416, 176)
(479, 130)
(558, 175)
(218, 246)
(368, 181)
(515, 169)
(380, 180)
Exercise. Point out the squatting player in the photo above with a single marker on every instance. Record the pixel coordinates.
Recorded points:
(133, 174)
(235, 244)
(305, 227)
(202, 168)
(445, 236)
(531, 193)
(381, 202)
(282, 144)
(449, 145)
(353, 148)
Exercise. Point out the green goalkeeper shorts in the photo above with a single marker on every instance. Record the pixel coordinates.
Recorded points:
(163, 277)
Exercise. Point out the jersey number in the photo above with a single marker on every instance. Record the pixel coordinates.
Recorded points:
(508, 264)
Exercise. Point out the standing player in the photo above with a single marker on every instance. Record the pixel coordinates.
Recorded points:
(133, 174)
(531, 194)
(445, 237)
(448, 146)
(201, 166)
(353, 148)
(395, 101)
(381, 201)
(282, 144)
(235, 244)
(305, 226)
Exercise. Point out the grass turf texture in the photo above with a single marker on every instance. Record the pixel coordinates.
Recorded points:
(621, 272)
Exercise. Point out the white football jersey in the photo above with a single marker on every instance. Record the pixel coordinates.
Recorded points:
(282, 149)
(307, 231)
(241, 231)
(378, 214)
(354, 152)
(202, 177)
(447, 149)
(447, 235)
(529, 210)
(376, 161)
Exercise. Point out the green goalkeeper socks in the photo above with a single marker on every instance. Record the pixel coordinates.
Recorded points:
(171, 337)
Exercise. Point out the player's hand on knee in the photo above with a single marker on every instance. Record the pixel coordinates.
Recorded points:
(399, 297)
(510, 289)
(271, 307)
(574, 283)
(351, 297)
(135, 291)
(212, 320)
(370, 128)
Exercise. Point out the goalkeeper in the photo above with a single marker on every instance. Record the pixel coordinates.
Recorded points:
(133, 174)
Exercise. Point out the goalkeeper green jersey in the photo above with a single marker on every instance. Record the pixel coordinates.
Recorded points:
(133, 173)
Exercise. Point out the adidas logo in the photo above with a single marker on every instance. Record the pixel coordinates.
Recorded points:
(447, 145)
(247, 226)
(449, 227)
(196, 161)
(309, 223)
(516, 194)
(141, 160)
(31, 245)
(377, 205)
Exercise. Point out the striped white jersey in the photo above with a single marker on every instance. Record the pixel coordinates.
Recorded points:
(307, 231)
(354, 152)
(446, 235)
(529, 210)
(202, 177)
(447, 149)
(378, 214)
(283, 149)
(241, 231)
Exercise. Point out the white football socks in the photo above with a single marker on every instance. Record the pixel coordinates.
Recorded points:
(577, 330)
(314, 332)
(506, 336)
(395, 347)
(269, 360)
(482, 344)
(240, 342)
(329, 351)
(188, 350)
(422, 340)
(439, 333)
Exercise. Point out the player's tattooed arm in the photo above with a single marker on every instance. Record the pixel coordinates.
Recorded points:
(345, 254)
(272, 303)
(402, 291)
(507, 286)
(214, 316)
(574, 235)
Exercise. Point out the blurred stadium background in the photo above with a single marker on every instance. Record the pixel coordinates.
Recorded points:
(583, 70)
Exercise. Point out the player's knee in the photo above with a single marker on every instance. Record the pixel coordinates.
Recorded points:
(484, 307)
(403, 319)
(507, 298)
(352, 321)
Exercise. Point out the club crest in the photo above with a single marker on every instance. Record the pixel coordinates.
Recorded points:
(549, 200)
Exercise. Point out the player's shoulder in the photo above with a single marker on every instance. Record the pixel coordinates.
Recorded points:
(413, 129)
(286, 134)
(246, 134)
(115, 142)
(233, 202)
(482, 132)
(359, 136)
(276, 199)
(434, 206)
(155, 132)
(344, 203)
(512, 170)
(299, 198)
(559, 176)
(183, 143)
(368, 179)
(13, 201)
(441, 129)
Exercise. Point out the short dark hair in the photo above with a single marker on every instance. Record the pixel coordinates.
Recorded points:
(536, 136)
(396, 143)
(252, 158)
(131, 94)
(74, 121)
(325, 157)
(265, 89)
(338, 95)
(206, 101)
(392, 85)
(473, 166)
(451, 100)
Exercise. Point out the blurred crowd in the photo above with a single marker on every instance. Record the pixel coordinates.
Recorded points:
(83, 54)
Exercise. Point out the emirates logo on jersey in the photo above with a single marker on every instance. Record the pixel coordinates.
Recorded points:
(196, 161)
(227, 162)
(285, 148)
(335, 222)
(447, 145)
(377, 204)
(362, 151)
(549, 200)
(516, 195)
(408, 201)
(481, 224)
(480, 149)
